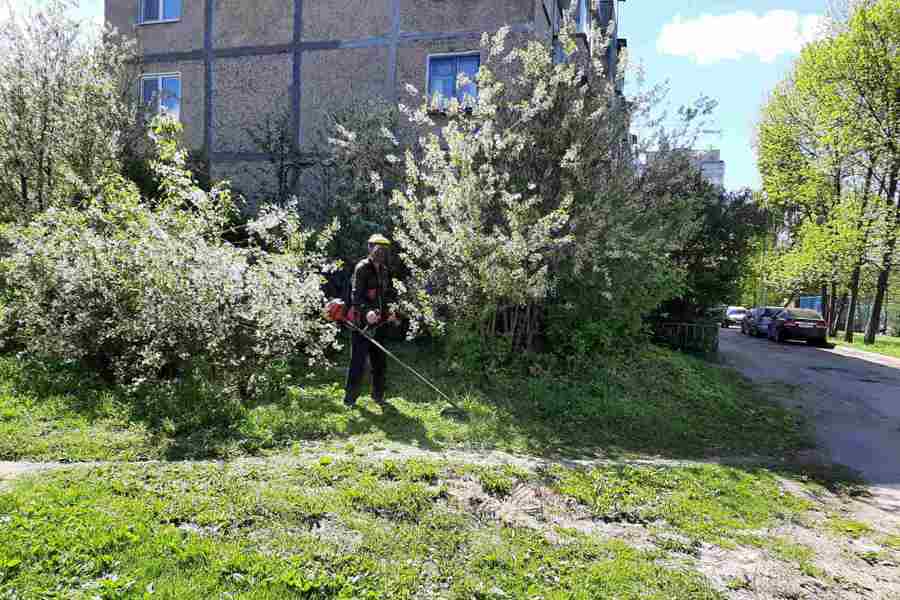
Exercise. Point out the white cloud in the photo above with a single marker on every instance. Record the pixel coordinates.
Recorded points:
(709, 39)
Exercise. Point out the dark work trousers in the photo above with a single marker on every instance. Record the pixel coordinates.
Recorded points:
(360, 349)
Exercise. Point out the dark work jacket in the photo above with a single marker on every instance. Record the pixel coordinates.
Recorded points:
(371, 289)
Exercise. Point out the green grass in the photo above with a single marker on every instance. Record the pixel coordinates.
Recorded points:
(848, 527)
(60, 414)
(709, 503)
(332, 529)
(886, 345)
(655, 401)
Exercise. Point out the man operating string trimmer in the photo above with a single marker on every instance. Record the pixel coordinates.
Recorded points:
(371, 293)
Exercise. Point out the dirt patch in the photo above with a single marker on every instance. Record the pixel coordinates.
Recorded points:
(746, 573)
(825, 565)
(11, 470)
(541, 509)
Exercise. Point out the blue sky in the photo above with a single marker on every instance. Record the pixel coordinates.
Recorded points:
(732, 51)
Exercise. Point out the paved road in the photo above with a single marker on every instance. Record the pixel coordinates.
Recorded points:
(851, 397)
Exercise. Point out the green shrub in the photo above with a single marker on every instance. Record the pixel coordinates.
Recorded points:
(155, 293)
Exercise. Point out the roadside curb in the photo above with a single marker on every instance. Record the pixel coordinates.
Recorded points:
(879, 359)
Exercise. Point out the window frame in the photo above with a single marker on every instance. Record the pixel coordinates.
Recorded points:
(448, 55)
(159, 77)
(161, 4)
(584, 24)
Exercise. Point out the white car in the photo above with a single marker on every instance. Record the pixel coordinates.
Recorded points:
(734, 315)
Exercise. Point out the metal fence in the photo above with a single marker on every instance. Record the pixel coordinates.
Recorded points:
(702, 338)
(890, 318)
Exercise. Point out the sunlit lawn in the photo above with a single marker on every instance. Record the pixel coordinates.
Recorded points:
(884, 344)
(653, 402)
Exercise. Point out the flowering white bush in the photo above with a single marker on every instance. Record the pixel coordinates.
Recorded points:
(532, 197)
(146, 293)
(68, 113)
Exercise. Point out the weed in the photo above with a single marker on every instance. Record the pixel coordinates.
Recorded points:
(848, 527)
(709, 503)
(873, 557)
(811, 570)
(342, 530)
(658, 401)
(740, 583)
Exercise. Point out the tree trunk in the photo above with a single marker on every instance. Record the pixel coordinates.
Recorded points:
(832, 307)
(826, 314)
(850, 322)
(887, 264)
(877, 307)
(838, 315)
(850, 327)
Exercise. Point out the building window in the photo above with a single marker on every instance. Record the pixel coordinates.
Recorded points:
(443, 79)
(584, 17)
(156, 11)
(161, 94)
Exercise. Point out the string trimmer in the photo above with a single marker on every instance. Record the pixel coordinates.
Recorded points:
(336, 310)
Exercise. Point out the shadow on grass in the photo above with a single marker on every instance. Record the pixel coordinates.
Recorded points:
(837, 479)
(655, 402)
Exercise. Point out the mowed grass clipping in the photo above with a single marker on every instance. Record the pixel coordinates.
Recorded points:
(711, 503)
(655, 401)
(351, 529)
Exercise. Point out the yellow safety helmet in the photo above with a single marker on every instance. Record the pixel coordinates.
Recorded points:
(380, 240)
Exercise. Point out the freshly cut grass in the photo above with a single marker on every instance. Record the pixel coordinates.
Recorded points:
(848, 527)
(705, 503)
(655, 401)
(340, 529)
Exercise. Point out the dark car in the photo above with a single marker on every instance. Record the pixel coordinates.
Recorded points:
(756, 323)
(798, 324)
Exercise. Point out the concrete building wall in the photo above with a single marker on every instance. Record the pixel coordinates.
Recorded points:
(240, 23)
(711, 166)
(243, 61)
(181, 35)
(247, 90)
(461, 15)
(347, 19)
(121, 15)
(250, 179)
(331, 78)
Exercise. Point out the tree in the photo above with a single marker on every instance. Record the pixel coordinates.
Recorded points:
(67, 110)
(829, 132)
(346, 172)
(528, 208)
(822, 251)
(718, 253)
(856, 78)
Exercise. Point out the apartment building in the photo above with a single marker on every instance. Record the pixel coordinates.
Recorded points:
(222, 66)
(711, 166)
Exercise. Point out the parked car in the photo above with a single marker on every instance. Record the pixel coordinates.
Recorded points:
(798, 324)
(756, 323)
(734, 315)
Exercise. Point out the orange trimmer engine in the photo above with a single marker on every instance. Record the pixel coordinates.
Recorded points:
(336, 310)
